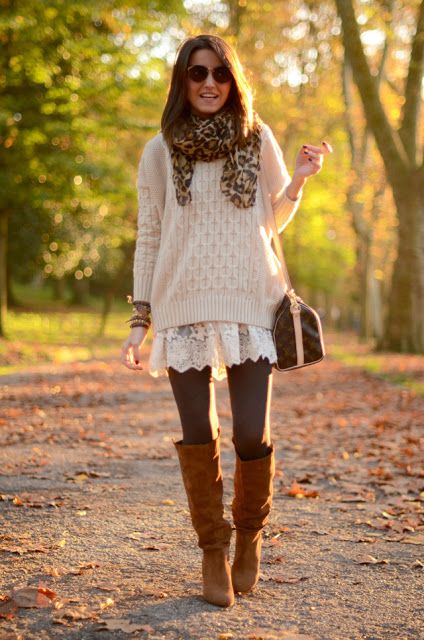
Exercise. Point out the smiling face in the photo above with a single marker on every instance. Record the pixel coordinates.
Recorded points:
(209, 96)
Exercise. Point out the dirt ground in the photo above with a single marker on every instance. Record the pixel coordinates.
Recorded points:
(95, 537)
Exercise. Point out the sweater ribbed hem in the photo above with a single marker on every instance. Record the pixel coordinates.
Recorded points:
(204, 307)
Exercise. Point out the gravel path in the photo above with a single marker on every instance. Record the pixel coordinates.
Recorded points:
(92, 508)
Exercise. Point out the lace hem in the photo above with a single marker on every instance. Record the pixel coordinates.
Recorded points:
(215, 344)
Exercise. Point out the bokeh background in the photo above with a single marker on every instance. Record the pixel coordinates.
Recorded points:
(82, 88)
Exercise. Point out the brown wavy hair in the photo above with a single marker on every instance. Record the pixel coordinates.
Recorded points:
(177, 108)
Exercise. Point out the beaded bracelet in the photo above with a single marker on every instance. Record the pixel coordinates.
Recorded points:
(139, 323)
(141, 316)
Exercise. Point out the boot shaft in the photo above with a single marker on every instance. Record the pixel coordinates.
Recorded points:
(253, 490)
(202, 477)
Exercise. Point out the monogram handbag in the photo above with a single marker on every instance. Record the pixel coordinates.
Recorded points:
(297, 330)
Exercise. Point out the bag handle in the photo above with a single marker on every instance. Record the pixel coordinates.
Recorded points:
(279, 249)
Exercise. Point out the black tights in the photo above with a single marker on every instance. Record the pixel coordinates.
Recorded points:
(249, 385)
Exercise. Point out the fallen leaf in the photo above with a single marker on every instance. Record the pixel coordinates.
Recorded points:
(109, 602)
(86, 566)
(78, 613)
(417, 539)
(121, 624)
(47, 592)
(31, 597)
(372, 560)
(275, 560)
(8, 608)
(79, 477)
(150, 548)
(297, 491)
(319, 533)
(136, 535)
(155, 594)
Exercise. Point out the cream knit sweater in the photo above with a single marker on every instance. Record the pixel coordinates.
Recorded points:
(209, 260)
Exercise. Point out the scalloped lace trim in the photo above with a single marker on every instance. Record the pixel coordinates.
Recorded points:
(217, 344)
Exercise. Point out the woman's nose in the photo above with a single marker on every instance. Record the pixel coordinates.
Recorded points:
(209, 80)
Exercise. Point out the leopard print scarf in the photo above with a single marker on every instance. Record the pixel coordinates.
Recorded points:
(207, 139)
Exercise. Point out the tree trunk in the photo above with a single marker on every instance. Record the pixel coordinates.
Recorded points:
(375, 306)
(404, 330)
(128, 252)
(3, 272)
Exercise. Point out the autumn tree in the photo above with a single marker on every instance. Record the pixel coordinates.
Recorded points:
(399, 146)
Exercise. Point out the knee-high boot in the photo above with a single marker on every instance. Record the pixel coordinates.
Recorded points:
(202, 477)
(251, 506)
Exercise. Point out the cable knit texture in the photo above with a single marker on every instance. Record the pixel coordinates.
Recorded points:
(209, 260)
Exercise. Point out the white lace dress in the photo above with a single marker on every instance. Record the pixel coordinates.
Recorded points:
(217, 344)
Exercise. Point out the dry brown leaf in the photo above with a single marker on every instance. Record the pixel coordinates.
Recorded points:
(319, 532)
(418, 538)
(297, 491)
(135, 535)
(78, 613)
(47, 592)
(262, 634)
(154, 593)
(8, 608)
(369, 496)
(121, 624)
(106, 587)
(150, 548)
(275, 560)
(372, 560)
(225, 635)
(32, 597)
(79, 477)
(86, 566)
(109, 602)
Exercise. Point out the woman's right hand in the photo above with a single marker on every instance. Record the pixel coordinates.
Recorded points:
(130, 352)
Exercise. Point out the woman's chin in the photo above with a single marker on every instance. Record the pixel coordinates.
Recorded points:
(203, 111)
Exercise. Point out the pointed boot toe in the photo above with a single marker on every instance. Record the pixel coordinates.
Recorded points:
(217, 583)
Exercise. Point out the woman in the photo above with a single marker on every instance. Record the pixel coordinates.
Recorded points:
(207, 278)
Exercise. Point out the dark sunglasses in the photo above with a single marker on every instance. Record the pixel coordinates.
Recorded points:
(199, 73)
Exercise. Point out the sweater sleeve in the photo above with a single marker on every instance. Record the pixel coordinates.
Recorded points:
(151, 186)
(278, 179)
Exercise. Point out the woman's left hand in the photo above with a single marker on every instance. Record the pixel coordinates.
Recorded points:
(310, 159)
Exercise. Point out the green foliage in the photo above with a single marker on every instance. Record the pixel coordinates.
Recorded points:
(78, 101)
(47, 331)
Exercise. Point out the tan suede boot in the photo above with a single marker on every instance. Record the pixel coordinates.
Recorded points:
(202, 477)
(251, 506)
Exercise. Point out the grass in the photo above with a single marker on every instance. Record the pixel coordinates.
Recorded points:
(46, 331)
(401, 369)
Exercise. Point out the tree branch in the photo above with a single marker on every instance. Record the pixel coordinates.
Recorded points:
(388, 141)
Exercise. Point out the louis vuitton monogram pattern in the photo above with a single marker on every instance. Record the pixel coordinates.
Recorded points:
(285, 341)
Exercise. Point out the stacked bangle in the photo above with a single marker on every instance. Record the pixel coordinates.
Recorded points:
(141, 316)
